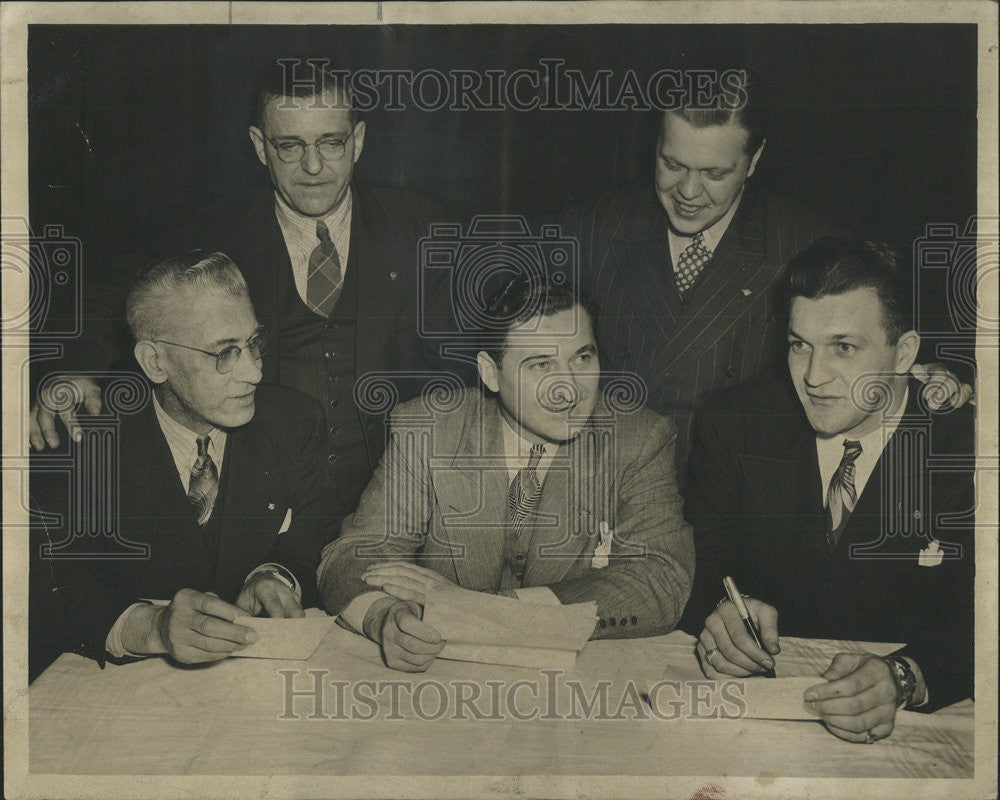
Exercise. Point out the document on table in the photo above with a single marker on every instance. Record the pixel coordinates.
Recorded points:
(492, 629)
(293, 639)
(778, 698)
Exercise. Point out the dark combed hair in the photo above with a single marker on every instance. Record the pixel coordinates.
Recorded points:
(831, 266)
(740, 99)
(523, 298)
(300, 77)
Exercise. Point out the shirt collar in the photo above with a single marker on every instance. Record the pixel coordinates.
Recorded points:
(713, 234)
(306, 226)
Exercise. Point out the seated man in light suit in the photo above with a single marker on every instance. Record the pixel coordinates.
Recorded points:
(220, 478)
(513, 491)
(822, 503)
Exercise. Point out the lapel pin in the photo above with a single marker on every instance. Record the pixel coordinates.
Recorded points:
(393, 275)
(270, 506)
(747, 292)
(930, 556)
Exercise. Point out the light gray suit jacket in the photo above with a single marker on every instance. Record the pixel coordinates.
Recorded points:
(439, 498)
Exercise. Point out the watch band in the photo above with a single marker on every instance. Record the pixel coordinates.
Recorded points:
(906, 681)
(280, 574)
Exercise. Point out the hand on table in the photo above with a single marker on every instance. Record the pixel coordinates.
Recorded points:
(859, 701)
(60, 398)
(263, 592)
(195, 627)
(941, 387)
(726, 649)
(404, 580)
(408, 644)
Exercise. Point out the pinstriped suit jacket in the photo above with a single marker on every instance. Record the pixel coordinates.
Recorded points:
(731, 326)
(439, 499)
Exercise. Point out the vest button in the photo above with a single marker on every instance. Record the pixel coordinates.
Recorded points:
(731, 371)
(334, 430)
(332, 458)
(334, 402)
(329, 354)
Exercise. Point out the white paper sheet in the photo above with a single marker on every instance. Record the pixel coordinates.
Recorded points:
(500, 630)
(293, 639)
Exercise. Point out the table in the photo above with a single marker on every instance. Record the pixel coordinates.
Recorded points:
(242, 717)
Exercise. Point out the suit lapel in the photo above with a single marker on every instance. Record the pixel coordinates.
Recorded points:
(641, 257)
(737, 275)
(472, 494)
(576, 496)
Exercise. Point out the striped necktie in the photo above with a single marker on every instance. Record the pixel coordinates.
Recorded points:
(325, 279)
(690, 263)
(841, 497)
(525, 489)
(204, 483)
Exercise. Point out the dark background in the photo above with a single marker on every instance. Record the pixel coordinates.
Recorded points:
(133, 127)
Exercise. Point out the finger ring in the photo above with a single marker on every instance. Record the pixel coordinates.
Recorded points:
(869, 738)
(709, 654)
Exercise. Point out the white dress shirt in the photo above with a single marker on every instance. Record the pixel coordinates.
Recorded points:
(300, 237)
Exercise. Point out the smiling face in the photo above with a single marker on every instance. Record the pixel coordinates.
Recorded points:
(837, 347)
(546, 381)
(700, 172)
(192, 390)
(312, 186)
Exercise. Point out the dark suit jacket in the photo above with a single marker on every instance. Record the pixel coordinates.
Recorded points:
(271, 464)
(756, 504)
(439, 498)
(731, 326)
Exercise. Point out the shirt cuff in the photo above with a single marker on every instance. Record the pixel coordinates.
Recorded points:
(354, 613)
(279, 573)
(113, 643)
(541, 595)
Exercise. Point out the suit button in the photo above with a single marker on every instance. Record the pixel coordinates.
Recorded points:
(731, 371)
(334, 430)
(334, 402)
(613, 622)
(635, 621)
(329, 354)
(603, 624)
(624, 621)
(519, 557)
(332, 458)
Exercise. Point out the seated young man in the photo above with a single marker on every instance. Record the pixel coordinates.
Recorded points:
(821, 499)
(513, 490)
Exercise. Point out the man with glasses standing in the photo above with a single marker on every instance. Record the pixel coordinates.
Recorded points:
(220, 478)
(331, 266)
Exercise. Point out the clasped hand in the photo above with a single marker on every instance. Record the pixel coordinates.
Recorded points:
(857, 701)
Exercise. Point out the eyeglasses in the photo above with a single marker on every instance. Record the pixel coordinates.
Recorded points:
(292, 152)
(225, 359)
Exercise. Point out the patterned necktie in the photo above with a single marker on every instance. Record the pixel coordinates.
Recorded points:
(841, 497)
(525, 489)
(325, 279)
(690, 263)
(204, 484)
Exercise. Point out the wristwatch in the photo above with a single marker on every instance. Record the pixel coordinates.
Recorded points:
(280, 574)
(906, 681)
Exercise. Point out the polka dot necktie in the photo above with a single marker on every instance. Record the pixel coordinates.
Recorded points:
(690, 263)
(841, 497)
(204, 483)
(325, 279)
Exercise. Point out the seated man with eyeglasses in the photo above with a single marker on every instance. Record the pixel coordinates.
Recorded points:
(220, 478)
